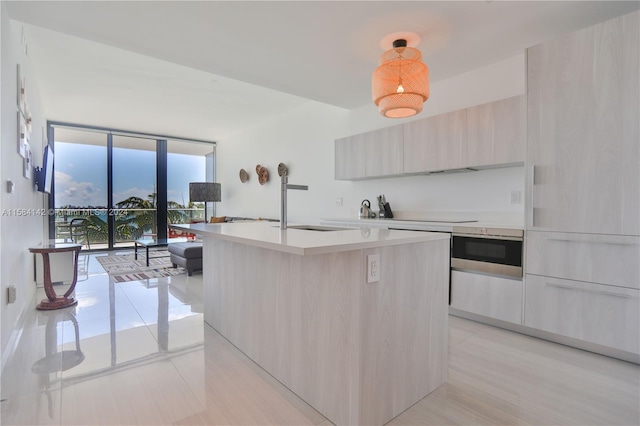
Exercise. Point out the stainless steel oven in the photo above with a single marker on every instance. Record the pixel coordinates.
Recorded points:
(492, 251)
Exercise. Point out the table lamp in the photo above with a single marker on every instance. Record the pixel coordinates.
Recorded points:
(205, 192)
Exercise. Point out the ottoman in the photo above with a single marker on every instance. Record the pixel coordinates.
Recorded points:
(188, 255)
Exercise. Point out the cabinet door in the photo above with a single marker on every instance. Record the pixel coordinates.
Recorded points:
(383, 149)
(601, 314)
(493, 297)
(350, 157)
(582, 150)
(435, 143)
(604, 259)
(496, 133)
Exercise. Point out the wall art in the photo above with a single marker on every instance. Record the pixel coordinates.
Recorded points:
(28, 162)
(22, 91)
(263, 174)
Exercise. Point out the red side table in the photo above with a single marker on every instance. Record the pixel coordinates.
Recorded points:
(53, 301)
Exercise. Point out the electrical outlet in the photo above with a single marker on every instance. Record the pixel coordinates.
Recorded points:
(11, 294)
(339, 202)
(516, 196)
(373, 268)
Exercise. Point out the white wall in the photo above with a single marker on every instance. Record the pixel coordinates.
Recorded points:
(17, 233)
(303, 139)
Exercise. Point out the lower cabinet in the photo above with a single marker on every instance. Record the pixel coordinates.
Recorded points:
(594, 258)
(596, 313)
(494, 297)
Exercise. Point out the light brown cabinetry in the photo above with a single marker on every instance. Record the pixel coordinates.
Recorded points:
(603, 259)
(583, 185)
(496, 133)
(435, 143)
(602, 314)
(350, 157)
(494, 297)
(583, 130)
(484, 136)
(369, 155)
(383, 152)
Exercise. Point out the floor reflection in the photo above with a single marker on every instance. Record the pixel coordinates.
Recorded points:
(135, 353)
(56, 361)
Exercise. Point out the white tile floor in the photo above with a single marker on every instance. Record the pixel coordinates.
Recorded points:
(141, 355)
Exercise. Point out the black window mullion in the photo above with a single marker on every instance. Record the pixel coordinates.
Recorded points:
(111, 218)
(161, 185)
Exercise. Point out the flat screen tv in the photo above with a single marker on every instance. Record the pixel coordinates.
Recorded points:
(44, 175)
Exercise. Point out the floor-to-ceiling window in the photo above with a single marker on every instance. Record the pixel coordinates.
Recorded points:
(126, 185)
(81, 189)
(135, 194)
(187, 162)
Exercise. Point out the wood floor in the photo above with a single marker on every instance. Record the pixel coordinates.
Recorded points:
(500, 377)
(149, 359)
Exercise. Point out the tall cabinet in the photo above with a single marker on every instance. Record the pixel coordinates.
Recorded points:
(583, 185)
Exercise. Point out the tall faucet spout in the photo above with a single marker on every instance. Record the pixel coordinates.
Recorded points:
(284, 186)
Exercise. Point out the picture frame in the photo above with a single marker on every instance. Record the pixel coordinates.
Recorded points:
(28, 162)
(22, 135)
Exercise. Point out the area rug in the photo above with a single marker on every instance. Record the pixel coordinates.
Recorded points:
(127, 268)
(150, 273)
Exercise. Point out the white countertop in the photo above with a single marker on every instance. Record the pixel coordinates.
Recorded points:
(420, 225)
(304, 242)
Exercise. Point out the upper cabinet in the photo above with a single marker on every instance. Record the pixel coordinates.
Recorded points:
(583, 151)
(496, 133)
(383, 152)
(484, 136)
(435, 143)
(349, 153)
(368, 155)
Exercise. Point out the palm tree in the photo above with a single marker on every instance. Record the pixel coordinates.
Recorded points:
(141, 218)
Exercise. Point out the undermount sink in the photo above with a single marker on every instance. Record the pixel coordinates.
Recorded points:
(316, 228)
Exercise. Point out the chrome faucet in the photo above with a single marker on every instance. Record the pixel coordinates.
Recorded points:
(284, 185)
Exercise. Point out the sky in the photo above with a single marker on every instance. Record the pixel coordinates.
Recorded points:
(81, 174)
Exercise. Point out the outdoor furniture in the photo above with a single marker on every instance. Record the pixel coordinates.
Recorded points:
(188, 255)
(53, 301)
(63, 230)
(78, 228)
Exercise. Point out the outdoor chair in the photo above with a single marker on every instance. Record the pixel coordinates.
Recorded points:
(78, 228)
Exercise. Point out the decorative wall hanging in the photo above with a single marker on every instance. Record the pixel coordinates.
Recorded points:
(400, 85)
(282, 169)
(21, 91)
(28, 162)
(244, 176)
(263, 174)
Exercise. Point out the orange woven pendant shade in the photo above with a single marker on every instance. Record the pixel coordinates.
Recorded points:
(400, 85)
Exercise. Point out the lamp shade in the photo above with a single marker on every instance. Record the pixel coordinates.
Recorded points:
(205, 191)
(400, 84)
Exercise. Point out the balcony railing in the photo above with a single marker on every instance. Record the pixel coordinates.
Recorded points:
(130, 224)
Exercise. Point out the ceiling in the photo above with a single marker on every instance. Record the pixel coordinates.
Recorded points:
(205, 69)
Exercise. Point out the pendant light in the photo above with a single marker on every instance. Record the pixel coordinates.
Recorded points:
(400, 85)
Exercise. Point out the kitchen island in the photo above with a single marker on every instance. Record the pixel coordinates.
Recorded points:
(298, 302)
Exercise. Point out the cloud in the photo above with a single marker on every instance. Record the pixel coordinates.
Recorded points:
(81, 194)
